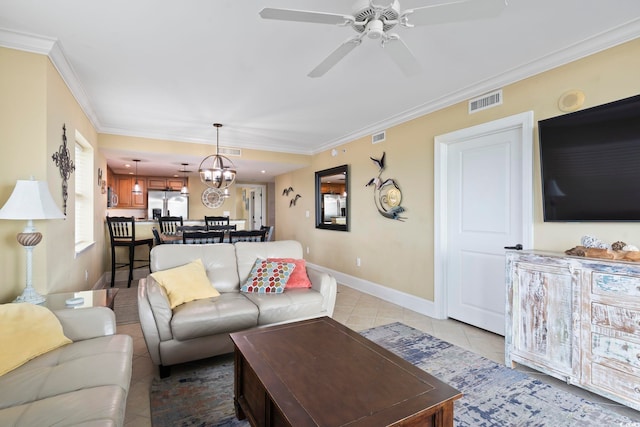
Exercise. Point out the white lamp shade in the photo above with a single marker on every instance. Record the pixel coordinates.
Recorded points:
(31, 200)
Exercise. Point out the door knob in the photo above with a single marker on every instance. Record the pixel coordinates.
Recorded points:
(517, 247)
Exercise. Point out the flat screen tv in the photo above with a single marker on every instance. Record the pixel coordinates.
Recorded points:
(590, 163)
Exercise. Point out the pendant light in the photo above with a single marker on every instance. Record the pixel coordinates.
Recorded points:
(136, 186)
(185, 189)
(213, 171)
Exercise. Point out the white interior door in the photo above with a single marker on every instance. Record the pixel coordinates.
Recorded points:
(487, 206)
(255, 205)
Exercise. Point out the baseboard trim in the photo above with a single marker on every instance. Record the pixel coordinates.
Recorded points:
(410, 302)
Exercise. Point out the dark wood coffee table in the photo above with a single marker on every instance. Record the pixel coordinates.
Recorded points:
(320, 373)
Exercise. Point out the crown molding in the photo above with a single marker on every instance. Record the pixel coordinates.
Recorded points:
(605, 40)
(589, 46)
(51, 47)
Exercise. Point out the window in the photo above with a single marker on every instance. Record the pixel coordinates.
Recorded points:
(84, 194)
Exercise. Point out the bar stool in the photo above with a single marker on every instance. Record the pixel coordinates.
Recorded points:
(122, 232)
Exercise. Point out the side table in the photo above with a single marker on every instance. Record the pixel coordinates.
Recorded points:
(93, 298)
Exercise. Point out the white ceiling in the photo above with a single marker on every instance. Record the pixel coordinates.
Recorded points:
(168, 69)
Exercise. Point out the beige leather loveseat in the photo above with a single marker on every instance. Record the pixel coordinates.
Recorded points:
(200, 329)
(85, 382)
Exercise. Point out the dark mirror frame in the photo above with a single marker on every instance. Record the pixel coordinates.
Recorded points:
(343, 169)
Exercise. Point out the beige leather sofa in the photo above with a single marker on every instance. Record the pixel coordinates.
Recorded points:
(82, 383)
(200, 329)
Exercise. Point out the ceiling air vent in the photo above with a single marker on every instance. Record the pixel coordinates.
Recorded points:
(378, 137)
(231, 151)
(485, 101)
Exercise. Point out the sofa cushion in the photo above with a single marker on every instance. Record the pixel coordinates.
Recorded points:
(248, 252)
(268, 277)
(216, 258)
(186, 283)
(291, 304)
(27, 331)
(229, 312)
(298, 278)
(81, 382)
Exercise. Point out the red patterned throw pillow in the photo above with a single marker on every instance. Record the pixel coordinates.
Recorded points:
(299, 278)
(268, 277)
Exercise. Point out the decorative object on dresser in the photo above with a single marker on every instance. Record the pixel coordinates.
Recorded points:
(30, 200)
(576, 319)
(63, 161)
(592, 247)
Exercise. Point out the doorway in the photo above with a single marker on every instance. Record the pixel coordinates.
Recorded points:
(483, 202)
(252, 205)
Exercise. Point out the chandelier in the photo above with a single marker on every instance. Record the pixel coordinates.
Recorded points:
(217, 171)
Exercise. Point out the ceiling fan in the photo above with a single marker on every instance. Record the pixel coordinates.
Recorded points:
(374, 21)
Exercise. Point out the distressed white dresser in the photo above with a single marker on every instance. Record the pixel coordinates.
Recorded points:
(577, 319)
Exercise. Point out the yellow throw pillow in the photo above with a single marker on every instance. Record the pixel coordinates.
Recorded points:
(26, 332)
(186, 283)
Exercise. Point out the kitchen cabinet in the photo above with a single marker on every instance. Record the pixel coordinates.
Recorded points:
(577, 319)
(126, 199)
(159, 183)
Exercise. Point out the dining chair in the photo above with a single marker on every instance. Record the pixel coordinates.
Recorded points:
(247, 236)
(200, 237)
(122, 233)
(216, 220)
(170, 224)
(225, 228)
(269, 236)
(156, 236)
(192, 228)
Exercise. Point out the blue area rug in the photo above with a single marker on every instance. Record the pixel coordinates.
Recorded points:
(201, 393)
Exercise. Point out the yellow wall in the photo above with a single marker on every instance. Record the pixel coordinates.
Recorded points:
(399, 255)
(395, 254)
(35, 103)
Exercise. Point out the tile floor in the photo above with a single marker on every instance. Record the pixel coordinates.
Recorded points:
(358, 311)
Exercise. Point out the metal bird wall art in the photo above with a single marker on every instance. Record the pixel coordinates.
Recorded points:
(386, 192)
(293, 201)
(286, 191)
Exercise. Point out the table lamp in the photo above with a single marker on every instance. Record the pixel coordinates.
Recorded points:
(30, 200)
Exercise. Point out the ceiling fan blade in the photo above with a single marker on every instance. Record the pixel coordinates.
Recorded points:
(335, 56)
(456, 11)
(401, 55)
(306, 16)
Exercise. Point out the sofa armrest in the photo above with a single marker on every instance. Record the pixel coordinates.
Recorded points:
(155, 316)
(326, 285)
(87, 323)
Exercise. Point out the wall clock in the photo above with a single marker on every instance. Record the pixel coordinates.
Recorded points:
(212, 198)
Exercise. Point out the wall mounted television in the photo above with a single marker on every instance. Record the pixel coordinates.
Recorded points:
(590, 162)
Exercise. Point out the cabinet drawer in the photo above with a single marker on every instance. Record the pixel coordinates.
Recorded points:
(615, 285)
(616, 383)
(617, 318)
(617, 353)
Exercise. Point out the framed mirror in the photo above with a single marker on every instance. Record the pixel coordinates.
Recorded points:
(332, 201)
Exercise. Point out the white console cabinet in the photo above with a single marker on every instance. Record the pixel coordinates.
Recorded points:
(577, 319)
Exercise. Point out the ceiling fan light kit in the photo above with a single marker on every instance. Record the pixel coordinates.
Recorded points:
(374, 21)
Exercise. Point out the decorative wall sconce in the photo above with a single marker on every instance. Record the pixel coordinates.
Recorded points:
(386, 195)
(63, 161)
